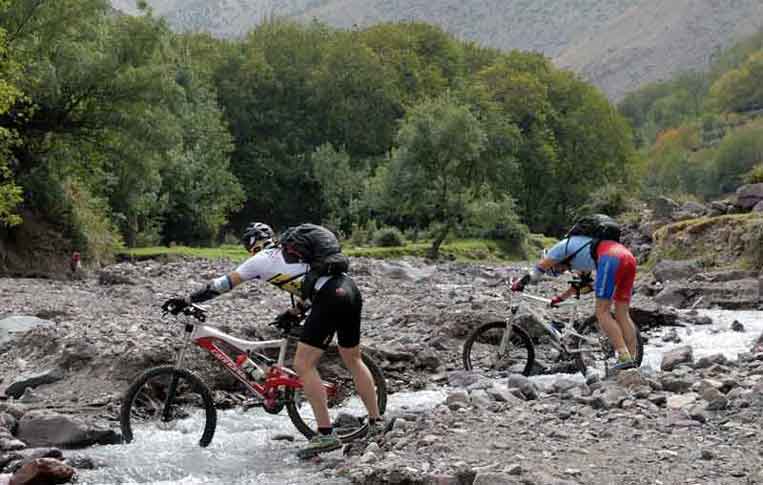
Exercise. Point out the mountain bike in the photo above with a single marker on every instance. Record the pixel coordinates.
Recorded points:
(173, 398)
(497, 349)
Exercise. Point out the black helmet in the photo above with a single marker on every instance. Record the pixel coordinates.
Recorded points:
(257, 235)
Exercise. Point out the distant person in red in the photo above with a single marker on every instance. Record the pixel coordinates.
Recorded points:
(75, 264)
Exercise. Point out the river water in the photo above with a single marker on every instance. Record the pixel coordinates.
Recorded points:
(243, 451)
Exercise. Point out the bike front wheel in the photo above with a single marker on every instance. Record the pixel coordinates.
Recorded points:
(167, 399)
(346, 410)
(482, 351)
(595, 353)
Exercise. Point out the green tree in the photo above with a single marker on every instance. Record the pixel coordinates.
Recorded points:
(10, 193)
(438, 167)
(740, 89)
(341, 186)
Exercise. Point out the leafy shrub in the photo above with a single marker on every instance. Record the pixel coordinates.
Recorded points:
(388, 237)
(754, 176)
(496, 220)
(362, 234)
(612, 200)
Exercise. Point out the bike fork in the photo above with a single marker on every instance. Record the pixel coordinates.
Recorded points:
(504, 348)
(172, 391)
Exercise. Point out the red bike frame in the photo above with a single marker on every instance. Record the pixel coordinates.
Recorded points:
(277, 376)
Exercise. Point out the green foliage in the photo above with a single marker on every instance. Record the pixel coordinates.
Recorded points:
(438, 166)
(659, 106)
(754, 176)
(10, 192)
(340, 184)
(612, 200)
(740, 89)
(178, 138)
(497, 220)
(737, 154)
(388, 237)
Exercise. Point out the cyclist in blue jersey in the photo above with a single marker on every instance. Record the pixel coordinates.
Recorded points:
(615, 269)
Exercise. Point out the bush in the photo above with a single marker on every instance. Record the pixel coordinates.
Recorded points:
(388, 237)
(754, 176)
(495, 220)
(612, 200)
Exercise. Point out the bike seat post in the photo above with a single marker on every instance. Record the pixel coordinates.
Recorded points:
(282, 351)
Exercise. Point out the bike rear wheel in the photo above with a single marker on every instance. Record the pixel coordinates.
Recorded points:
(346, 410)
(481, 352)
(170, 400)
(598, 356)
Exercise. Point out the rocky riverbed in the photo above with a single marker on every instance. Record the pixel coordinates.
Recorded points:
(698, 420)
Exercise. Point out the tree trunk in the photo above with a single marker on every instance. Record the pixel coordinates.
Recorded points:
(434, 251)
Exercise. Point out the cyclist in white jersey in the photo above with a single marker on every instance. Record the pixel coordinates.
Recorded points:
(336, 309)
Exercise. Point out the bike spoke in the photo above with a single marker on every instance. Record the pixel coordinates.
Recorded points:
(492, 361)
(167, 403)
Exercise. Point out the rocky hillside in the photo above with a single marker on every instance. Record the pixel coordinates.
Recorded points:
(619, 44)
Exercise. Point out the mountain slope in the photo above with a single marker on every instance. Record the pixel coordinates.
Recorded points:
(650, 42)
(618, 44)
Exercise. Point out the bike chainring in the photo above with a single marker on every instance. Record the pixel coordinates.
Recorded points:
(275, 402)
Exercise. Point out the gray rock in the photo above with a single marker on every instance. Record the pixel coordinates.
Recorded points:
(462, 378)
(748, 196)
(528, 388)
(457, 400)
(11, 327)
(694, 208)
(480, 398)
(630, 378)
(503, 395)
(676, 357)
(737, 326)
(675, 384)
(710, 360)
(671, 270)
(44, 428)
(664, 207)
(495, 478)
(22, 383)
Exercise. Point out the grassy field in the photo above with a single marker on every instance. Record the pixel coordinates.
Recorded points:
(461, 250)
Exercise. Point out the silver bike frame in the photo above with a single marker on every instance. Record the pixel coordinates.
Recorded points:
(556, 337)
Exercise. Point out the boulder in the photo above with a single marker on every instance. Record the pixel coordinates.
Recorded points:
(694, 208)
(670, 270)
(676, 357)
(758, 207)
(43, 471)
(748, 196)
(527, 387)
(664, 207)
(22, 383)
(45, 428)
(12, 326)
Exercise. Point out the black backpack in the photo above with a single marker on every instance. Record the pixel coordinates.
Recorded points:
(319, 248)
(599, 227)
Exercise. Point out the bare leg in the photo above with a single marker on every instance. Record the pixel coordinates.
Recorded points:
(364, 382)
(627, 327)
(609, 325)
(305, 361)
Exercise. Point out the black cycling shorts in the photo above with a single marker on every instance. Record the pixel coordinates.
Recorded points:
(336, 309)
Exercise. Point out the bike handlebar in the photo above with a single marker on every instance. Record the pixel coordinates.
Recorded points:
(192, 310)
